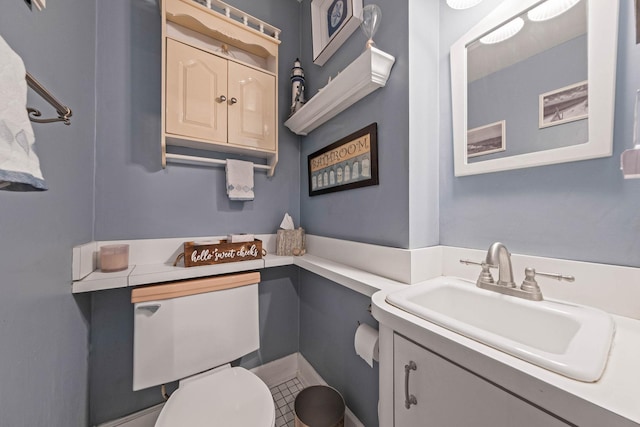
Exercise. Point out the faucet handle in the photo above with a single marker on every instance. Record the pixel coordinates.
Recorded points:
(485, 274)
(529, 284)
(559, 277)
(482, 264)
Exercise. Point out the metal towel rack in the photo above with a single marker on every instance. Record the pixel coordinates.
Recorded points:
(192, 160)
(64, 112)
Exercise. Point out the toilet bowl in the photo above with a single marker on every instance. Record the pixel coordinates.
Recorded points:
(190, 331)
(226, 397)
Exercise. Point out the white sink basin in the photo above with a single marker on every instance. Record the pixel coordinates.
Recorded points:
(568, 339)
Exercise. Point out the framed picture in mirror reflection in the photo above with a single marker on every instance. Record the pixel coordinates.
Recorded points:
(486, 139)
(564, 105)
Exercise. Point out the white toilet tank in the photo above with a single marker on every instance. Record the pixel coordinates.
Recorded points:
(183, 328)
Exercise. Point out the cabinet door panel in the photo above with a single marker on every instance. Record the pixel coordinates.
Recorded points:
(252, 116)
(195, 82)
(449, 396)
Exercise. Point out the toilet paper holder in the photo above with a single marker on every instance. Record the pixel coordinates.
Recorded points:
(369, 310)
(366, 343)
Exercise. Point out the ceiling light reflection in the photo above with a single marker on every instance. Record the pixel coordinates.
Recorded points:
(462, 4)
(550, 9)
(503, 33)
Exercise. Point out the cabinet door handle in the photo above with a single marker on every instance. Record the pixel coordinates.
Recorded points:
(223, 98)
(233, 101)
(409, 399)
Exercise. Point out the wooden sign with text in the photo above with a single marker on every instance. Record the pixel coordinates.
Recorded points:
(219, 253)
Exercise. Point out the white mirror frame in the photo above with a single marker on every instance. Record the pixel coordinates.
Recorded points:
(602, 48)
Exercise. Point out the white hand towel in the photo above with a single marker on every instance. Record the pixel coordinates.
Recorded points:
(19, 164)
(239, 180)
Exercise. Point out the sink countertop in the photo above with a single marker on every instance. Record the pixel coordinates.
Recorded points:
(617, 391)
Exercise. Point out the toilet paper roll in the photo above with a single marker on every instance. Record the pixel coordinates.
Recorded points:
(366, 343)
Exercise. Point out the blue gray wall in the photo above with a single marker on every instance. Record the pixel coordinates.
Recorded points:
(582, 210)
(135, 197)
(43, 328)
(329, 316)
(403, 210)
(376, 214)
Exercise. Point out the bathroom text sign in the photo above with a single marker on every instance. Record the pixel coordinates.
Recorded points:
(352, 162)
(219, 253)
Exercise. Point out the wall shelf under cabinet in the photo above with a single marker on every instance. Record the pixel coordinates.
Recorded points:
(367, 73)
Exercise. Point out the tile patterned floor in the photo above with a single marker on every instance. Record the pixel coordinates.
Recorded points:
(284, 395)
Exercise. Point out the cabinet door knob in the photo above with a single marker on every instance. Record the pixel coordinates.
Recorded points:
(409, 399)
(233, 101)
(223, 98)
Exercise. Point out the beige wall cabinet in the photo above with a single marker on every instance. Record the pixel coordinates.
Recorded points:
(252, 107)
(196, 88)
(218, 100)
(219, 82)
(441, 393)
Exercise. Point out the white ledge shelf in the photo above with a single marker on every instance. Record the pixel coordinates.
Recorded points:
(367, 73)
(147, 274)
(151, 261)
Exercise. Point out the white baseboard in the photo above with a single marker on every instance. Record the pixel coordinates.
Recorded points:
(278, 371)
(145, 418)
(272, 373)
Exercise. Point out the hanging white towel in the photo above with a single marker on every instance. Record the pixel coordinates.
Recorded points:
(239, 180)
(19, 164)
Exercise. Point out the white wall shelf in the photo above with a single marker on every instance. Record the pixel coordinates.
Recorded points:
(367, 73)
(151, 261)
(146, 274)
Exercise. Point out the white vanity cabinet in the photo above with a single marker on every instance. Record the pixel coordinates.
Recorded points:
(218, 101)
(447, 395)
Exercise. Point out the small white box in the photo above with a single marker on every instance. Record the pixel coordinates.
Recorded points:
(240, 238)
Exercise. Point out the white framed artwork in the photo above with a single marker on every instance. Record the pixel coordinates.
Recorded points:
(332, 22)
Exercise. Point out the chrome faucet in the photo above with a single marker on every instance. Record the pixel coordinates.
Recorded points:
(499, 257)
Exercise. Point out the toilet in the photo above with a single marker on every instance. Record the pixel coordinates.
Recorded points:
(190, 331)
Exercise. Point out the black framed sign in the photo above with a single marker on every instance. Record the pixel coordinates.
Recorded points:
(351, 162)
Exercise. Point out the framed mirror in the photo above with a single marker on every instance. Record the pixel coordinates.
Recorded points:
(533, 84)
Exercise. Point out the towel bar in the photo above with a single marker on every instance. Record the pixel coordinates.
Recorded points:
(64, 112)
(193, 160)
